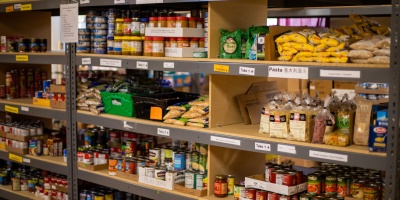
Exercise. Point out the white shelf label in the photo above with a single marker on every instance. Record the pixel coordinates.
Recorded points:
(119, 1)
(110, 62)
(17, 6)
(225, 140)
(288, 72)
(163, 131)
(127, 126)
(247, 71)
(262, 146)
(286, 149)
(328, 156)
(169, 65)
(85, 1)
(142, 65)
(69, 22)
(156, 182)
(23, 108)
(339, 73)
(26, 160)
(86, 61)
(148, 1)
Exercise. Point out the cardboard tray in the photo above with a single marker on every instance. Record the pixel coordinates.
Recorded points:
(58, 104)
(374, 102)
(257, 181)
(361, 90)
(17, 150)
(18, 138)
(182, 52)
(175, 32)
(59, 188)
(57, 88)
(92, 167)
(41, 102)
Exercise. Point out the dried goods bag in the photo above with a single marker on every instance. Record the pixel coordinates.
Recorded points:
(379, 60)
(382, 52)
(360, 54)
(299, 123)
(279, 118)
(324, 123)
(362, 122)
(265, 115)
(231, 44)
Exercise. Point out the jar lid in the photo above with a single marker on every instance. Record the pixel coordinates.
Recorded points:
(153, 18)
(136, 38)
(194, 39)
(221, 177)
(127, 20)
(172, 39)
(200, 19)
(171, 18)
(144, 19)
(162, 18)
(182, 38)
(119, 20)
(181, 18)
(201, 39)
(158, 38)
(192, 19)
(148, 38)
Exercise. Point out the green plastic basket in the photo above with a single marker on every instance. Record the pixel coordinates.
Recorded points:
(118, 104)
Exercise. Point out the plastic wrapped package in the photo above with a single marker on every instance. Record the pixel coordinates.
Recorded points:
(203, 119)
(381, 52)
(198, 125)
(279, 118)
(379, 60)
(362, 123)
(324, 123)
(360, 61)
(383, 44)
(299, 123)
(172, 114)
(202, 101)
(200, 109)
(360, 54)
(265, 115)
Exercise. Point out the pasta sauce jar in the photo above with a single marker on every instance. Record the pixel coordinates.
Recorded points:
(221, 186)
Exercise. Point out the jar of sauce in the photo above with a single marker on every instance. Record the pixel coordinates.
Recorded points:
(153, 23)
(173, 43)
(199, 23)
(136, 46)
(183, 42)
(117, 45)
(119, 27)
(182, 22)
(194, 42)
(192, 22)
(127, 27)
(171, 22)
(158, 47)
(162, 22)
(148, 46)
(221, 186)
(201, 43)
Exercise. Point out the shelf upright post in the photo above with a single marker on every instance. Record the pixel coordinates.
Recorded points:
(392, 182)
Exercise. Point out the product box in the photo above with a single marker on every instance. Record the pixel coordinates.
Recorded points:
(377, 141)
(257, 182)
(186, 52)
(41, 102)
(57, 88)
(3, 43)
(58, 104)
(189, 191)
(258, 48)
(59, 188)
(374, 102)
(175, 32)
(92, 167)
(17, 150)
(322, 87)
(344, 85)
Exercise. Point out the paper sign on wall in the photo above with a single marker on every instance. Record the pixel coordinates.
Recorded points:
(69, 23)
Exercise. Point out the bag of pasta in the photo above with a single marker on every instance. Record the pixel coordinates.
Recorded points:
(299, 123)
(279, 118)
(265, 115)
(324, 123)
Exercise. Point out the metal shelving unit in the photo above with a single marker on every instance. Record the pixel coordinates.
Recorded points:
(33, 58)
(25, 107)
(35, 5)
(8, 193)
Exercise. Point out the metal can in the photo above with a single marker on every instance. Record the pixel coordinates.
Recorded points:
(168, 160)
(82, 195)
(371, 191)
(46, 86)
(88, 157)
(130, 166)
(268, 167)
(199, 181)
(383, 85)
(372, 86)
(16, 184)
(383, 96)
(130, 148)
(305, 197)
(250, 193)
(119, 166)
(155, 155)
(179, 161)
(331, 185)
(162, 156)
(239, 191)
(274, 175)
(261, 195)
(188, 161)
(314, 184)
(190, 181)
(357, 189)
(98, 196)
(273, 196)
(284, 197)
(372, 97)
(286, 178)
(342, 186)
(159, 173)
(231, 185)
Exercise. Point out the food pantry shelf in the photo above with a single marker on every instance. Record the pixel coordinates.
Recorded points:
(102, 178)
(88, 3)
(35, 5)
(243, 137)
(33, 58)
(8, 193)
(320, 71)
(25, 107)
(53, 164)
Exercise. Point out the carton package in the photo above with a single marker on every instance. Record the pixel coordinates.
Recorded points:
(377, 139)
(362, 122)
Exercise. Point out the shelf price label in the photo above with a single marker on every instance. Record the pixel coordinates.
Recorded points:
(328, 156)
(163, 131)
(127, 126)
(26, 160)
(262, 146)
(110, 62)
(340, 73)
(17, 6)
(119, 1)
(169, 65)
(23, 108)
(142, 65)
(11, 109)
(221, 68)
(9, 9)
(286, 149)
(15, 158)
(247, 71)
(21, 58)
(25, 7)
(86, 61)
(85, 1)
(288, 72)
(148, 1)
(225, 140)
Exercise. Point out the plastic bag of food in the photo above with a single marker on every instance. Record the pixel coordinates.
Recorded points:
(306, 59)
(330, 41)
(321, 54)
(170, 121)
(381, 52)
(251, 36)
(285, 58)
(338, 59)
(344, 123)
(172, 114)
(279, 118)
(285, 38)
(180, 108)
(364, 45)
(83, 108)
(191, 114)
(299, 123)
(290, 49)
(381, 30)
(383, 44)
(231, 44)
(200, 109)
(202, 101)
(321, 59)
(305, 54)
(180, 122)
(324, 123)
(379, 60)
(340, 47)
(300, 37)
(340, 53)
(362, 122)
(93, 101)
(203, 120)
(314, 39)
(265, 115)
(360, 54)
(360, 61)
(197, 125)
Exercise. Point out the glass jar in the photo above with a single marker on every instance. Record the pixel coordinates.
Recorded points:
(126, 45)
(171, 22)
(182, 22)
(173, 43)
(194, 42)
(162, 22)
(136, 46)
(158, 47)
(183, 42)
(34, 45)
(43, 45)
(192, 22)
(167, 42)
(221, 186)
(201, 43)
(199, 23)
(118, 45)
(153, 22)
(110, 47)
(119, 27)
(148, 46)
(144, 22)
(135, 26)
(127, 27)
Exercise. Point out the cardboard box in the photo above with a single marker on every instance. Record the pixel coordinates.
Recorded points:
(17, 150)
(323, 87)
(344, 85)
(262, 86)
(41, 102)
(92, 167)
(58, 104)
(361, 90)
(185, 52)
(59, 188)
(2, 146)
(299, 162)
(257, 182)
(377, 141)
(175, 32)
(57, 88)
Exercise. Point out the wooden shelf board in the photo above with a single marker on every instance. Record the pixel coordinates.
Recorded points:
(25, 102)
(49, 53)
(26, 194)
(58, 160)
